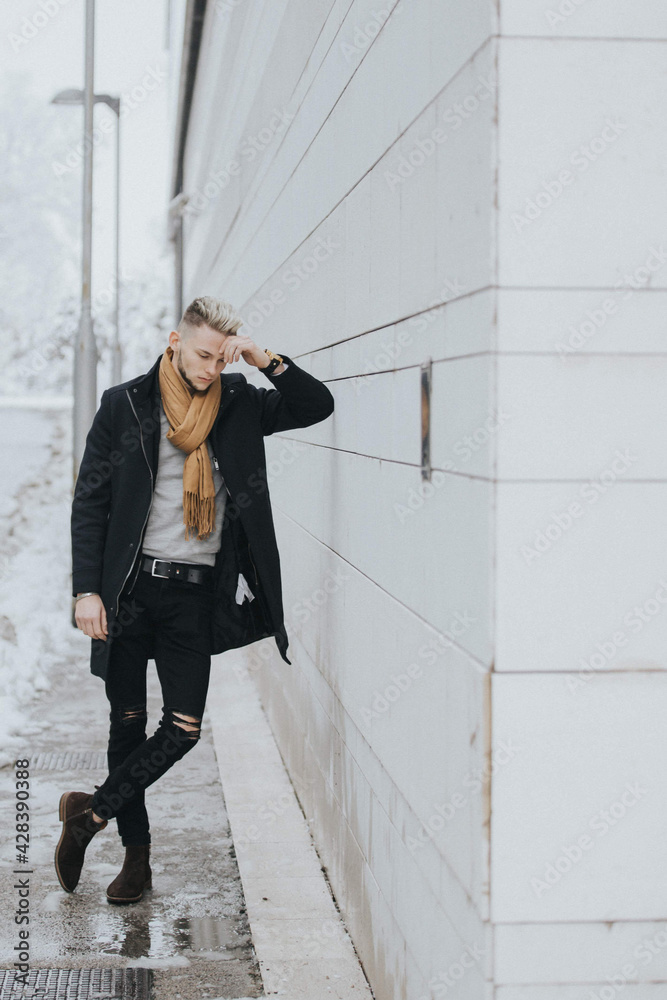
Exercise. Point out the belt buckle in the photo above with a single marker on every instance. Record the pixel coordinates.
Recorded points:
(162, 576)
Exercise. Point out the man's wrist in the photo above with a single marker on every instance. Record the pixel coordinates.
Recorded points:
(87, 593)
(274, 363)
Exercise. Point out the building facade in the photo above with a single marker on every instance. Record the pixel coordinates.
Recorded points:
(453, 214)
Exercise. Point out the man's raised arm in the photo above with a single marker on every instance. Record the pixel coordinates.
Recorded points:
(299, 400)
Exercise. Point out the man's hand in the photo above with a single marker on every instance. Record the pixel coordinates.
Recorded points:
(237, 346)
(91, 616)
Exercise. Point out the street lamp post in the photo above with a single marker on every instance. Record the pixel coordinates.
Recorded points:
(85, 352)
(83, 415)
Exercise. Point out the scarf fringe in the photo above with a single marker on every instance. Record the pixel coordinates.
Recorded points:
(198, 515)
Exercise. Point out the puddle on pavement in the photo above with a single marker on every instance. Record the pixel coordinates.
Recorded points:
(212, 938)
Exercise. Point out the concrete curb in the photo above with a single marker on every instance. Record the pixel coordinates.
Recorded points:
(302, 946)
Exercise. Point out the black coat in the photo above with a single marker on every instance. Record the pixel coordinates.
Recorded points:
(114, 489)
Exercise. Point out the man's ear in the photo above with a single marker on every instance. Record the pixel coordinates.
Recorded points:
(174, 339)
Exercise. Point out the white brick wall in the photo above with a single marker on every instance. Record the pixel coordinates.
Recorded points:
(343, 253)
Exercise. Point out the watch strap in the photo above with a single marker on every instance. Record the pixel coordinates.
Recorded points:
(274, 363)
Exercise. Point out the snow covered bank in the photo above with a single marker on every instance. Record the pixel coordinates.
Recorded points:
(36, 402)
(35, 564)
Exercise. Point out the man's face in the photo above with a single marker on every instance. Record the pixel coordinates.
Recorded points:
(198, 357)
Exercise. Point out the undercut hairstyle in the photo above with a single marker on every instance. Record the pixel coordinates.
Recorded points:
(207, 311)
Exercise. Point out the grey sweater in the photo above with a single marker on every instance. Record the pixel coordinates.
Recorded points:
(165, 531)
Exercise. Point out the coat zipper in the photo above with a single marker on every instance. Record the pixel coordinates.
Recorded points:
(141, 438)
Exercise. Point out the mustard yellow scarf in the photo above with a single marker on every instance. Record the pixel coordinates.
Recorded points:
(191, 417)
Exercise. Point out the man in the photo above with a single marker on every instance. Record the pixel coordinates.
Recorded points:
(174, 556)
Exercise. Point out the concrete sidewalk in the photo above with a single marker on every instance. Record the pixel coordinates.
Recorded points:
(191, 929)
(191, 935)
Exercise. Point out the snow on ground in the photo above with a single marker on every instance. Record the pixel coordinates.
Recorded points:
(36, 633)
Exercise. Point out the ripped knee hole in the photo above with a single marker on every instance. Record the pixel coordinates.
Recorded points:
(187, 723)
(128, 714)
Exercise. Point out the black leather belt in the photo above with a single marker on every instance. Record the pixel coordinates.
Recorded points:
(177, 570)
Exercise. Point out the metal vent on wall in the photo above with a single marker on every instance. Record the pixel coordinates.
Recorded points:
(78, 984)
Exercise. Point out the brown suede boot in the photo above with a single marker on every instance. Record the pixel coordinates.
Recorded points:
(78, 830)
(135, 875)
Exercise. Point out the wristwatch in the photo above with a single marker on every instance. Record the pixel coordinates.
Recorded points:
(274, 363)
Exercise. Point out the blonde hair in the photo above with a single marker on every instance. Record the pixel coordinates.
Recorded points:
(207, 311)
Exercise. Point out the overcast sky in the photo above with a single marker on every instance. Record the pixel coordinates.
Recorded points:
(130, 43)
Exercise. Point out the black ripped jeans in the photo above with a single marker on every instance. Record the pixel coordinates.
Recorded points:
(168, 621)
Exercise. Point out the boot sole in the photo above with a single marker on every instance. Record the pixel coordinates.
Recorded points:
(122, 900)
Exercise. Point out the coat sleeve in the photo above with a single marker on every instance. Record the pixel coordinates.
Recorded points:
(91, 503)
(298, 400)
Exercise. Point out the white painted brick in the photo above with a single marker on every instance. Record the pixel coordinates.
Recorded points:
(559, 609)
(379, 845)
(437, 714)
(467, 147)
(580, 952)
(585, 18)
(560, 424)
(451, 528)
(556, 98)
(650, 991)
(589, 765)
(570, 322)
